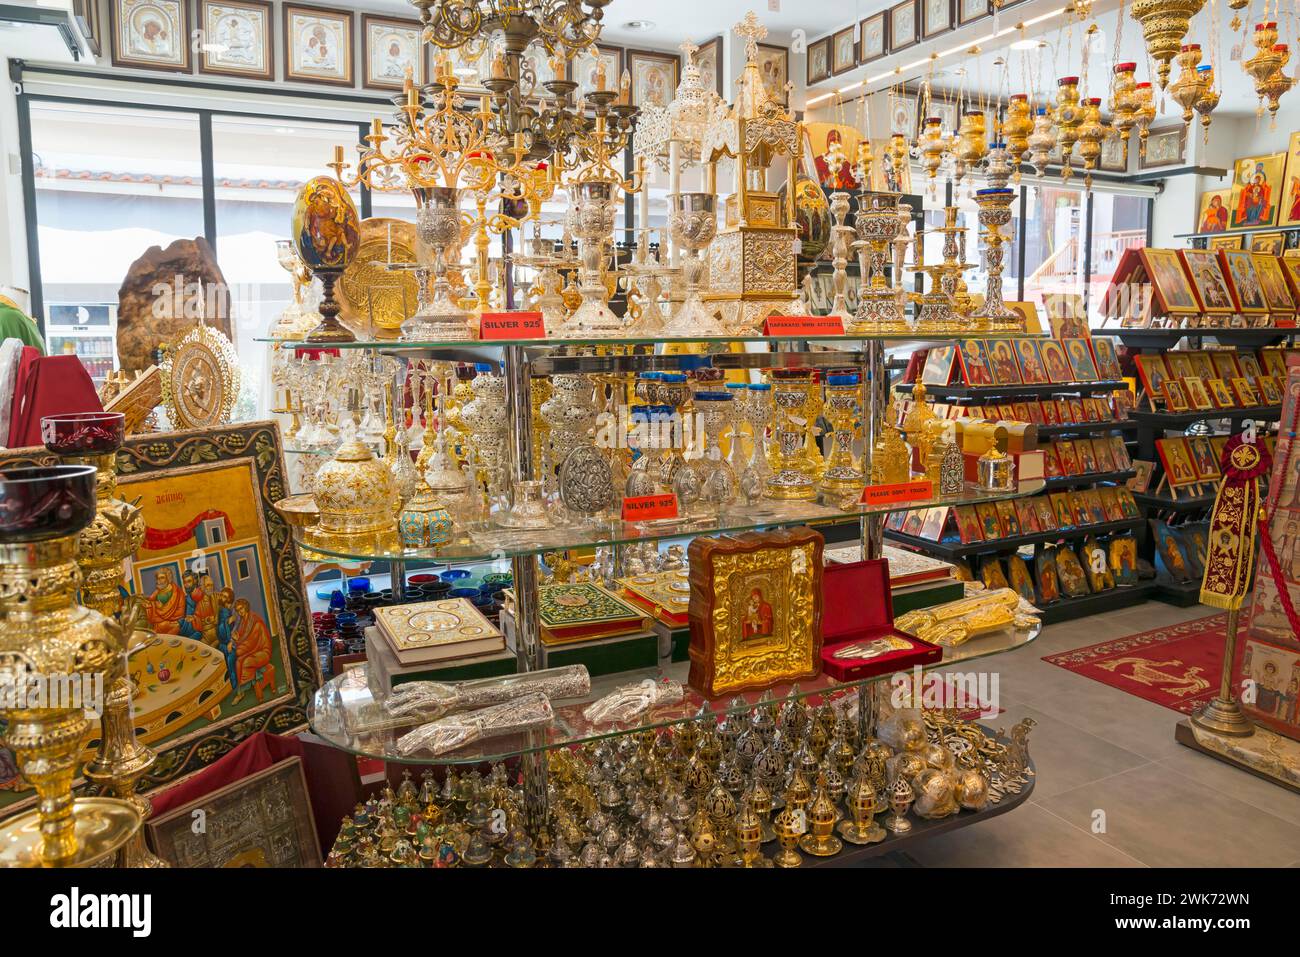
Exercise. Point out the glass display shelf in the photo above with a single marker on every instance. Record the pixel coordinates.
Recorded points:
(402, 345)
(345, 714)
(492, 543)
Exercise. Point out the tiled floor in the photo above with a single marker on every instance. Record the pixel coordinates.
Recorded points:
(1113, 788)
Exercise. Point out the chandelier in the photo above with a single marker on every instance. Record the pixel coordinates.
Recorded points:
(564, 26)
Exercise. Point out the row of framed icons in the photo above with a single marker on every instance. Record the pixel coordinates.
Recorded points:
(889, 31)
(235, 38)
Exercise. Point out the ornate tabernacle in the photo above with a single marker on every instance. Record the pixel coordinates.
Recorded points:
(752, 271)
(756, 609)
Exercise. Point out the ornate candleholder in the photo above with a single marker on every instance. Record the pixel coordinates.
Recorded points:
(878, 224)
(820, 839)
(843, 475)
(1124, 100)
(861, 800)
(972, 139)
(1091, 133)
(594, 223)
(789, 825)
(901, 796)
(841, 240)
(115, 534)
(994, 213)
(1187, 88)
(790, 477)
(544, 293)
(719, 483)
(48, 637)
(1144, 114)
(933, 146)
(440, 228)
(1209, 99)
(758, 416)
(693, 222)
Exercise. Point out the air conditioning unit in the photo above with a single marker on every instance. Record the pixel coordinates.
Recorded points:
(45, 32)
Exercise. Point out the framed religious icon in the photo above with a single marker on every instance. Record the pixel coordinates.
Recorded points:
(774, 68)
(261, 820)
(1291, 272)
(390, 49)
(1030, 362)
(151, 34)
(654, 77)
(1114, 155)
(1272, 283)
(1153, 373)
(1055, 364)
(1177, 461)
(1212, 217)
(1207, 279)
(1166, 147)
(902, 114)
(1203, 458)
(844, 51)
(1173, 290)
(1215, 243)
(1247, 293)
(903, 31)
(1270, 244)
(968, 11)
(1103, 350)
(709, 59)
(819, 60)
(1198, 395)
(1080, 356)
(238, 36)
(755, 610)
(535, 69)
(218, 585)
(317, 45)
(1256, 188)
(1175, 397)
(1290, 197)
(584, 68)
(936, 17)
(871, 45)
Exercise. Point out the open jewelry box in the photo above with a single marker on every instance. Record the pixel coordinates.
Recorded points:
(857, 609)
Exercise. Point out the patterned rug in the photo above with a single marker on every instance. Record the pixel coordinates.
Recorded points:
(1177, 666)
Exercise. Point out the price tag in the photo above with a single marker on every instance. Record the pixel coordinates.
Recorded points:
(811, 326)
(511, 325)
(896, 494)
(648, 508)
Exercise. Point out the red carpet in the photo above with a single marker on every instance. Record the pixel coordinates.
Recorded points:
(1177, 666)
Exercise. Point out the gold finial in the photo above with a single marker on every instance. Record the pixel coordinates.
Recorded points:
(751, 31)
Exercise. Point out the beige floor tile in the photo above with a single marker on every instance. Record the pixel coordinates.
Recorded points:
(1165, 819)
(1026, 836)
(1227, 779)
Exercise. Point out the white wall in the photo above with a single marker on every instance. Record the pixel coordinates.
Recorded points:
(13, 235)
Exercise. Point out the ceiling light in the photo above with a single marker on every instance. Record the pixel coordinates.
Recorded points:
(1025, 45)
(641, 25)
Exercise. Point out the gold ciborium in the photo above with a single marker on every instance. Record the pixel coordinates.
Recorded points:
(54, 656)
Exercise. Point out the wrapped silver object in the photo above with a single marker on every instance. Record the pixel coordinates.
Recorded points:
(434, 699)
(526, 713)
(628, 701)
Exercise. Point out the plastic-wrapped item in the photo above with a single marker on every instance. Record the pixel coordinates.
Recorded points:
(434, 699)
(527, 712)
(629, 701)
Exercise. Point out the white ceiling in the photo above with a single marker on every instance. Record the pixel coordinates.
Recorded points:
(676, 20)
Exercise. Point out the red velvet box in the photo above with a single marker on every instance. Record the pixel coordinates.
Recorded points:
(857, 606)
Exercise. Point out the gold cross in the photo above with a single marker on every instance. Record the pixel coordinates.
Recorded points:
(752, 31)
(689, 50)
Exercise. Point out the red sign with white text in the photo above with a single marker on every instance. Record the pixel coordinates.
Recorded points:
(897, 494)
(511, 325)
(649, 508)
(803, 326)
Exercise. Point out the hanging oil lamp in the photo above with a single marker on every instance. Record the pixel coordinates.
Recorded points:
(1068, 117)
(1265, 61)
(1124, 100)
(1208, 100)
(1091, 133)
(1041, 142)
(932, 149)
(1186, 90)
(1145, 113)
(1164, 24)
(972, 138)
(1277, 83)
(897, 155)
(1016, 130)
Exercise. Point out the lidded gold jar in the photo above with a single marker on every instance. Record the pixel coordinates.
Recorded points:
(356, 496)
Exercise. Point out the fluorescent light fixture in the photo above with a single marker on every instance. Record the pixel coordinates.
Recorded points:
(1025, 45)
